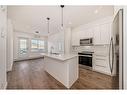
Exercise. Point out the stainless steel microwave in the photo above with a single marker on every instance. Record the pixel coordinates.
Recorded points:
(85, 42)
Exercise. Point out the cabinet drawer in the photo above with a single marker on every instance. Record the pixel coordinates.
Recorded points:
(100, 62)
(101, 69)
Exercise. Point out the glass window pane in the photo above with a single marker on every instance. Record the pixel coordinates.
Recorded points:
(37, 45)
(41, 44)
(34, 45)
(23, 46)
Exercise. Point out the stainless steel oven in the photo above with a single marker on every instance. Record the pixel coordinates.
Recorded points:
(85, 59)
(88, 41)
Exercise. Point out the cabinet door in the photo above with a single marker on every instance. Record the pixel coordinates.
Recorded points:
(96, 37)
(101, 64)
(105, 33)
(75, 38)
(87, 33)
(81, 34)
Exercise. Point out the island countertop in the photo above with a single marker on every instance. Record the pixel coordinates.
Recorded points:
(61, 57)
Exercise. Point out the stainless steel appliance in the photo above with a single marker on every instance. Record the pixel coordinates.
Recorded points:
(85, 58)
(88, 41)
(116, 49)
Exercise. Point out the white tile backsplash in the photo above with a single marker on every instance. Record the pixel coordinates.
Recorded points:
(96, 48)
(82, 48)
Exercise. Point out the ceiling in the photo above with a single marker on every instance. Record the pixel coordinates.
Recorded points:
(33, 18)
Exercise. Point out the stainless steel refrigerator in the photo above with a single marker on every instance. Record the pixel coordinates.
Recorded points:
(116, 50)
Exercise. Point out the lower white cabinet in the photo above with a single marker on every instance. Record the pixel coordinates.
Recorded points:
(101, 64)
(101, 59)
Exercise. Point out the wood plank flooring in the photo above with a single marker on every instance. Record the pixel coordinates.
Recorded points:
(30, 74)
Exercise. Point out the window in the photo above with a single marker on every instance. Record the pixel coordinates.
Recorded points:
(37, 45)
(41, 45)
(22, 46)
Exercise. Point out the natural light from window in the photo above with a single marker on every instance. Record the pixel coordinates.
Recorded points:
(37, 45)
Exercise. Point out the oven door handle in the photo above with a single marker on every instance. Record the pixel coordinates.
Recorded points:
(85, 55)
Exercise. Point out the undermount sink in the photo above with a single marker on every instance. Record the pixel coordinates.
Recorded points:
(56, 53)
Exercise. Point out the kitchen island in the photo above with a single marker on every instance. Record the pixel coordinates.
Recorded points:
(63, 68)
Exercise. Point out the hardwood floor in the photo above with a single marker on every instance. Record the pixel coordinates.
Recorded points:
(31, 75)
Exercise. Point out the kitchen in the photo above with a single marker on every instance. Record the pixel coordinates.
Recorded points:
(69, 50)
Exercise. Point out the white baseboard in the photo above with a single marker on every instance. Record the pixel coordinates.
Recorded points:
(22, 59)
(9, 69)
(3, 86)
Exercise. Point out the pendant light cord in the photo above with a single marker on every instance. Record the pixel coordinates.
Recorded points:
(48, 23)
(48, 26)
(62, 17)
(62, 6)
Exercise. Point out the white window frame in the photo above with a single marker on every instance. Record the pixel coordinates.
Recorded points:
(38, 50)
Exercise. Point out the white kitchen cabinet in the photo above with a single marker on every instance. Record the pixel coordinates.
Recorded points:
(101, 64)
(96, 37)
(75, 38)
(81, 34)
(3, 15)
(102, 34)
(99, 30)
(88, 33)
(101, 59)
(105, 33)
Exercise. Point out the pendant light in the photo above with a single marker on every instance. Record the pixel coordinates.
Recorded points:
(48, 23)
(62, 6)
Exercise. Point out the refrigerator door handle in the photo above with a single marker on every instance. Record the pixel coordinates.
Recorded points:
(113, 47)
(111, 64)
(109, 56)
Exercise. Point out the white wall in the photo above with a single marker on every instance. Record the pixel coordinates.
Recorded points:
(57, 42)
(3, 30)
(18, 34)
(67, 39)
(9, 45)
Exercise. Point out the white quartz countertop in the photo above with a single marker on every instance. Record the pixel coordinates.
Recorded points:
(61, 57)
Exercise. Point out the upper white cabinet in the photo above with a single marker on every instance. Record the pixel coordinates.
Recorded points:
(88, 33)
(96, 38)
(105, 31)
(102, 34)
(81, 34)
(99, 30)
